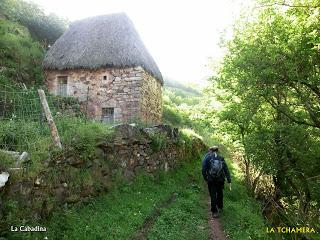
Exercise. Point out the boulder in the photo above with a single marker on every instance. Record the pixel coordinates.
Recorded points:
(130, 133)
(4, 176)
(167, 130)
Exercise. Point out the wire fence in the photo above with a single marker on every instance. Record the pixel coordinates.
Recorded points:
(23, 125)
(24, 128)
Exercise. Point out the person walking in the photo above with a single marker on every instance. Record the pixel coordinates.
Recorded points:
(214, 172)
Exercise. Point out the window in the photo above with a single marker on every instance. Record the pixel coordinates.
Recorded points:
(105, 77)
(62, 88)
(107, 115)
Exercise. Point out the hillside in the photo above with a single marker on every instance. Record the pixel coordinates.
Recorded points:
(172, 84)
(26, 32)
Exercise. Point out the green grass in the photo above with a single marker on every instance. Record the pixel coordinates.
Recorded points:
(187, 218)
(242, 217)
(76, 134)
(121, 212)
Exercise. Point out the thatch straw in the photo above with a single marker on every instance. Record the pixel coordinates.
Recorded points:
(102, 41)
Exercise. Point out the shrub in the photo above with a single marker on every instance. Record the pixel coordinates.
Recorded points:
(171, 116)
(159, 141)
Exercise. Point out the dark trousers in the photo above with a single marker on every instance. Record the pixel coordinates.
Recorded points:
(216, 195)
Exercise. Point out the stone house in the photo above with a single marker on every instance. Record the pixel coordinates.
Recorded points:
(103, 62)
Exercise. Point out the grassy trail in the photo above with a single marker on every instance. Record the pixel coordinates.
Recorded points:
(171, 206)
(123, 212)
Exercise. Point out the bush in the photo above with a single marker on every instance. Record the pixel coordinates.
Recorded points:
(171, 116)
(76, 134)
(159, 141)
(81, 136)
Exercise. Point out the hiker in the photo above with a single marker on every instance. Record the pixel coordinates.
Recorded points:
(214, 172)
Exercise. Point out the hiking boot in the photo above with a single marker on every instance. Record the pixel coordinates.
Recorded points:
(215, 215)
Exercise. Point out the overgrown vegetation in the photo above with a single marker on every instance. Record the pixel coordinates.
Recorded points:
(242, 218)
(186, 108)
(268, 84)
(77, 135)
(43, 28)
(20, 56)
(25, 34)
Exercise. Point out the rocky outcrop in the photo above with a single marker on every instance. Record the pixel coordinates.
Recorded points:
(68, 178)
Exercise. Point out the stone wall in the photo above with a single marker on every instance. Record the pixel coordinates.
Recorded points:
(151, 99)
(132, 92)
(67, 178)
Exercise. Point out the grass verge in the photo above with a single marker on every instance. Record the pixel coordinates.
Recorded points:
(242, 217)
(187, 218)
(120, 213)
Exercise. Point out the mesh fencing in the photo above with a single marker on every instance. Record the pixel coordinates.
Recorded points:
(23, 126)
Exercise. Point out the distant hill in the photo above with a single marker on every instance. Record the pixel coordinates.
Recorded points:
(170, 83)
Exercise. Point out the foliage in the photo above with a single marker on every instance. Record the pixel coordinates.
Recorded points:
(188, 135)
(77, 135)
(25, 34)
(6, 160)
(248, 222)
(171, 116)
(81, 136)
(186, 218)
(158, 141)
(44, 28)
(268, 84)
(20, 55)
(189, 110)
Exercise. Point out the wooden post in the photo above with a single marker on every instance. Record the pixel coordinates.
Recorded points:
(87, 101)
(52, 125)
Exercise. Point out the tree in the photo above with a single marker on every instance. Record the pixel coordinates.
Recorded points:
(270, 81)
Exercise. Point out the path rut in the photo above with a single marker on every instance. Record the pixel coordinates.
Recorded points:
(142, 233)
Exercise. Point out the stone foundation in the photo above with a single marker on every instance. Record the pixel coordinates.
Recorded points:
(132, 93)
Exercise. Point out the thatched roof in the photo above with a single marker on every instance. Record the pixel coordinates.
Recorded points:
(102, 41)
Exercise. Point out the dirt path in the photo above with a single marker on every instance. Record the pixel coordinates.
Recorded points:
(216, 231)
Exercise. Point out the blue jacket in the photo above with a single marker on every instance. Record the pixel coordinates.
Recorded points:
(205, 169)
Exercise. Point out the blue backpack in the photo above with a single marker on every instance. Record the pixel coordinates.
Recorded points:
(215, 167)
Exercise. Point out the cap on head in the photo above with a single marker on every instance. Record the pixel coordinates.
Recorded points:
(214, 148)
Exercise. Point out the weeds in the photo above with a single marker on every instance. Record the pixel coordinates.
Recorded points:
(77, 135)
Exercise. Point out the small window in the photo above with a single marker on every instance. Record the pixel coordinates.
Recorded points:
(105, 77)
(62, 88)
(82, 79)
(107, 115)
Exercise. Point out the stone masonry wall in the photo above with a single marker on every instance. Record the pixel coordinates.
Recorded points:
(151, 99)
(132, 92)
(68, 178)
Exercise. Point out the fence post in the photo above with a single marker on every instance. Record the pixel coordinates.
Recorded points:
(87, 101)
(52, 125)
